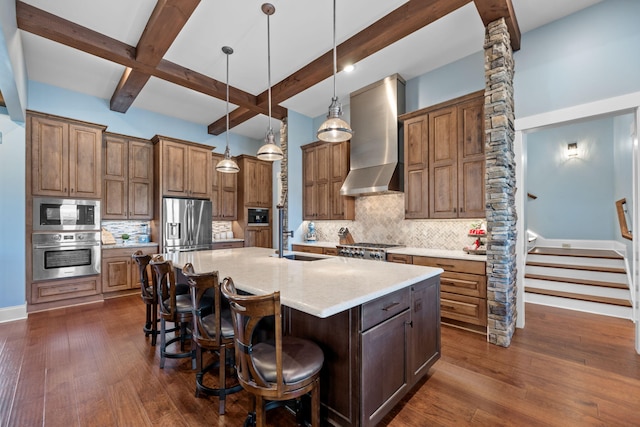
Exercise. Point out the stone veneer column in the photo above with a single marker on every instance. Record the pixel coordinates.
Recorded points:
(500, 185)
(284, 176)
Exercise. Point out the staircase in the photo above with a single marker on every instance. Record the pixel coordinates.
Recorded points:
(591, 280)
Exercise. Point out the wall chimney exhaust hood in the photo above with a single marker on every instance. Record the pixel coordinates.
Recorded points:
(377, 152)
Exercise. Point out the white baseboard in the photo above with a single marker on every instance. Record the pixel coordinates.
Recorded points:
(9, 314)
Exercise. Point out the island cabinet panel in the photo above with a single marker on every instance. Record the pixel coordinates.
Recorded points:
(66, 157)
(374, 353)
(444, 159)
(127, 177)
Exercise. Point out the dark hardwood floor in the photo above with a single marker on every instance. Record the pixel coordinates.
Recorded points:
(92, 366)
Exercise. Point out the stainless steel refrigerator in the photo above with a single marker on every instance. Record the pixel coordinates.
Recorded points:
(187, 225)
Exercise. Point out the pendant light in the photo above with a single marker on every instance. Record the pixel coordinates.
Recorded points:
(334, 129)
(269, 151)
(227, 165)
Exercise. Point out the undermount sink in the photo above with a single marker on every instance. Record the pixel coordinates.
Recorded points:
(298, 257)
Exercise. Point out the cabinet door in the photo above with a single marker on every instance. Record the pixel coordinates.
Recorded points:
(265, 183)
(416, 166)
(259, 237)
(85, 161)
(342, 207)
(49, 157)
(199, 171)
(384, 367)
(140, 180)
(229, 196)
(310, 191)
(471, 159)
(175, 177)
(116, 274)
(216, 208)
(116, 176)
(425, 327)
(443, 162)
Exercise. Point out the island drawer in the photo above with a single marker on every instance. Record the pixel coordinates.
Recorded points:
(464, 284)
(463, 308)
(451, 264)
(384, 308)
(307, 249)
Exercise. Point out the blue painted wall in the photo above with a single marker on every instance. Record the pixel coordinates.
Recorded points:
(575, 194)
(12, 213)
(590, 55)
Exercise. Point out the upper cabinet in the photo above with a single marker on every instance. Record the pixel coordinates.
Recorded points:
(128, 178)
(325, 166)
(224, 192)
(444, 160)
(254, 182)
(66, 157)
(185, 168)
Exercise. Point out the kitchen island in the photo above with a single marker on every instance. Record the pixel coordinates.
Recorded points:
(378, 323)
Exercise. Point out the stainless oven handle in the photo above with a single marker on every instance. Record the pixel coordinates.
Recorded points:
(68, 245)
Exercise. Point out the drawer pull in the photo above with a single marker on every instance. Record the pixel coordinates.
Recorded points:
(390, 306)
(444, 265)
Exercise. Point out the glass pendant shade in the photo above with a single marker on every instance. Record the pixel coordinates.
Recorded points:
(269, 151)
(227, 165)
(334, 129)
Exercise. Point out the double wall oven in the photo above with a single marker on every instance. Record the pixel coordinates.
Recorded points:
(66, 238)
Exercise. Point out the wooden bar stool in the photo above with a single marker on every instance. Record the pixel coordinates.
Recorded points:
(148, 294)
(275, 370)
(174, 308)
(213, 332)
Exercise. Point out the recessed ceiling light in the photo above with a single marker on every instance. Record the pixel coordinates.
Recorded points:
(349, 68)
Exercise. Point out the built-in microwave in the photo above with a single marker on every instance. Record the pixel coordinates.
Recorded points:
(257, 216)
(51, 214)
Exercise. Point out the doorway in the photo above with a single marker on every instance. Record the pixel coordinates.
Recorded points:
(525, 131)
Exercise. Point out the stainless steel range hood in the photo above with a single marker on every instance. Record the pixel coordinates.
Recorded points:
(376, 146)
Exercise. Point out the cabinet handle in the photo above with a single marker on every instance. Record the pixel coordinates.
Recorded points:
(461, 209)
(444, 265)
(454, 210)
(390, 306)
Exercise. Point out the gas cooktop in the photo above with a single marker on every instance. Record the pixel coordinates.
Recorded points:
(372, 245)
(366, 250)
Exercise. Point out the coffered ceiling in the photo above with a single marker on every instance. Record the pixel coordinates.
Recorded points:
(165, 55)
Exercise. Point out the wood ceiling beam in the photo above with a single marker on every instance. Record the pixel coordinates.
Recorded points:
(408, 18)
(492, 10)
(52, 27)
(164, 25)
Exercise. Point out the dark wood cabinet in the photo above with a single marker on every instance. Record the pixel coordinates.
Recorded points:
(119, 271)
(184, 168)
(315, 249)
(127, 178)
(254, 186)
(444, 160)
(224, 192)
(66, 157)
(324, 168)
(374, 353)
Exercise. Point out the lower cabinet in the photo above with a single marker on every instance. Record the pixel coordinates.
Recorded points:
(463, 296)
(315, 249)
(227, 245)
(119, 271)
(374, 353)
(58, 290)
(258, 236)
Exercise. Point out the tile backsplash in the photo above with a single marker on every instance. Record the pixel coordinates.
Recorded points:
(134, 229)
(380, 219)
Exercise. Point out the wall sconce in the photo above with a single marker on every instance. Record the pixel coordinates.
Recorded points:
(572, 149)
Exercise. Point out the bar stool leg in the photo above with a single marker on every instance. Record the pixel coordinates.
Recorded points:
(154, 325)
(163, 342)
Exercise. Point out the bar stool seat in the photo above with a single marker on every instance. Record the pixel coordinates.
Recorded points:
(300, 359)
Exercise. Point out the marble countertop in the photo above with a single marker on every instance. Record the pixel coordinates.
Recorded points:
(320, 288)
(321, 244)
(121, 245)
